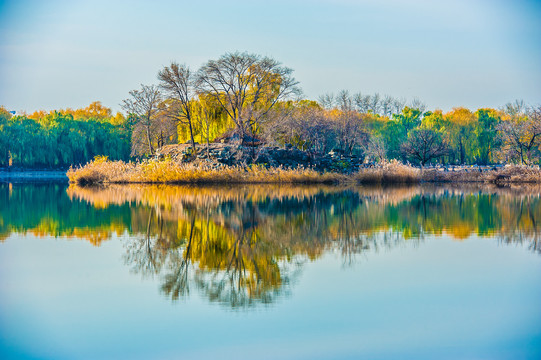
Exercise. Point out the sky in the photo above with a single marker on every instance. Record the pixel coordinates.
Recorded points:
(473, 53)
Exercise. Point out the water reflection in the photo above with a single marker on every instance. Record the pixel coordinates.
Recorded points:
(242, 246)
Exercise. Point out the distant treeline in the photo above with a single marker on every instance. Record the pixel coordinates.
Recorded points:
(252, 99)
(63, 138)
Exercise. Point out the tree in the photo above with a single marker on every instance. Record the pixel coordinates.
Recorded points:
(521, 136)
(375, 104)
(398, 105)
(57, 139)
(387, 105)
(177, 81)
(516, 108)
(348, 123)
(408, 119)
(362, 102)
(487, 122)
(303, 124)
(327, 100)
(461, 129)
(416, 103)
(424, 145)
(246, 86)
(206, 114)
(95, 111)
(5, 115)
(143, 105)
(375, 148)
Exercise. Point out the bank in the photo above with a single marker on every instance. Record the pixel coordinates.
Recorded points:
(230, 164)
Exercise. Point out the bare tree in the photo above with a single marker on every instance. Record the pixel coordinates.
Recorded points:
(177, 81)
(362, 102)
(375, 103)
(424, 145)
(143, 106)
(344, 101)
(521, 135)
(398, 105)
(416, 103)
(349, 125)
(516, 108)
(164, 129)
(375, 148)
(246, 86)
(347, 122)
(327, 100)
(386, 105)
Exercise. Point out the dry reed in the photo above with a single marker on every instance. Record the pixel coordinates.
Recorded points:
(391, 172)
(103, 171)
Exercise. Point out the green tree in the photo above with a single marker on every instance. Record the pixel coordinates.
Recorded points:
(486, 131)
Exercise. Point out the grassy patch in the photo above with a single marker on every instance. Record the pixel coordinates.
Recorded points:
(170, 172)
(103, 171)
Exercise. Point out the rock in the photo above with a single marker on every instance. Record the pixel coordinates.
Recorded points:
(228, 154)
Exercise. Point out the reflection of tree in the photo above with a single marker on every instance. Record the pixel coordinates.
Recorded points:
(241, 251)
(242, 246)
(233, 265)
(45, 209)
(522, 226)
(236, 246)
(176, 283)
(245, 274)
(146, 252)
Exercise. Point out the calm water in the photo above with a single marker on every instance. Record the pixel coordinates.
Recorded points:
(269, 272)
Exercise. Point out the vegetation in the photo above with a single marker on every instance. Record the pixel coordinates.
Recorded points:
(102, 171)
(255, 100)
(63, 138)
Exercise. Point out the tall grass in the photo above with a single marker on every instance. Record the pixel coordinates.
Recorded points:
(102, 171)
(388, 172)
(509, 174)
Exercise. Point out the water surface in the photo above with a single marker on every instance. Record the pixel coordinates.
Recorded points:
(269, 271)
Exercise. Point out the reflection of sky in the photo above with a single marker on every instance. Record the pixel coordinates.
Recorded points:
(437, 299)
(473, 53)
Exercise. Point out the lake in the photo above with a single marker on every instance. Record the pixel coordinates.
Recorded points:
(269, 272)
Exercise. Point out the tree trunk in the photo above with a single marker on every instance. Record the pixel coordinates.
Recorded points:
(191, 136)
(462, 152)
(149, 139)
(208, 136)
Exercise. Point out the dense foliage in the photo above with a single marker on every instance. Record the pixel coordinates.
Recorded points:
(62, 138)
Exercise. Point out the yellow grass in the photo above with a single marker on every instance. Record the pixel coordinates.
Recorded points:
(509, 174)
(389, 172)
(103, 171)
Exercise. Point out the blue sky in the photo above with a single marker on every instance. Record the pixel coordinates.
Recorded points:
(58, 54)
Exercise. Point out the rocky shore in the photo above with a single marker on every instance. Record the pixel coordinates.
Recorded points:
(218, 155)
